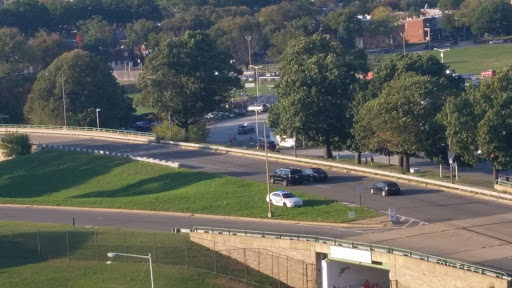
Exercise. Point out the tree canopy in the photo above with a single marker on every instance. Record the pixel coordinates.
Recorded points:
(493, 17)
(188, 77)
(88, 85)
(314, 92)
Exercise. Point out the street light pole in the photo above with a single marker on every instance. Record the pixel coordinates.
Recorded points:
(113, 254)
(98, 118)
(248, 38)
(64, 102)
(428, 30)
(403, 40)
(442, 54)
(266, 169)
(257, 100)
(170, 127)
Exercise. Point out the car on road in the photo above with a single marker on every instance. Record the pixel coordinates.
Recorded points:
(245, 129)
(258, 108)
(497, 41)
(315, 174)
(271, 145)
(385, 188)
(488, 73)
(284, 198)
(287, 176)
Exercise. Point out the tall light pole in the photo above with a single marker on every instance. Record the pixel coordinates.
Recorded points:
(403, 40)
(266, 169)
(170, 127)
(98, 118)
(442, 55)
(428, 30)
(64, 102)
(113, 254)
(248, 38)
(257, 101)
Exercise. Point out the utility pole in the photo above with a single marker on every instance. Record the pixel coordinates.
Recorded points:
(170, 127)
(248, 38)
(403, 40)
(64, 102)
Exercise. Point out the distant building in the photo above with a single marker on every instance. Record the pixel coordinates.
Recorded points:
(417, 29)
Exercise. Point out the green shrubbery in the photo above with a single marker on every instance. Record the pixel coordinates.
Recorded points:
(197, 133)
(15, 145)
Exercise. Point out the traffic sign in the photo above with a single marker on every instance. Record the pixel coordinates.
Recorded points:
(392, 215)
(360, 188)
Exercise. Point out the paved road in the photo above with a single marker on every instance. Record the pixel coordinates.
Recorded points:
(486, 232)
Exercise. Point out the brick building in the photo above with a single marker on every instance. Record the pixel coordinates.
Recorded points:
(417, 29)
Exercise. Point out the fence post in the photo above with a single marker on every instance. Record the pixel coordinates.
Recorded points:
(67, 244)
(96, 241)
(214, 257)
(287, 268)
(154, 248)
(186, 253)
(278, 272)
(38, 243)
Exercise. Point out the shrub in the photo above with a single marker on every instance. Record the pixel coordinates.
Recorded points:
(15, 145)
(197, 133)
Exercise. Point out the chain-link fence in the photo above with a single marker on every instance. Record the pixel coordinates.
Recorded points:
(165, 248)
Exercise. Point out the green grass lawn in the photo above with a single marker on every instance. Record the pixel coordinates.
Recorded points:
(61, 178)
(140, 110)
(41, 251)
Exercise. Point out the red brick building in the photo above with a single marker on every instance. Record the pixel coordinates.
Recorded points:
(417, 30)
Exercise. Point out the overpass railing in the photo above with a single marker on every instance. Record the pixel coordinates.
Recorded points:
(358, 245)
(75, 128)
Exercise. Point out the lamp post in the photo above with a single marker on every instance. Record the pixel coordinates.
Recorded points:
(248, 38)
(98, 118)
(428, 30)
(257, 99)
(64, 102)
(170, 127)
(113, 254)
(266, 169)
(403, 40)
(442, 54)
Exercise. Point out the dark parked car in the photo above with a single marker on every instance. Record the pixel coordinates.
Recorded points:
(386, 188)
(315, 174)
(245, 129)
(287, 176)
(271, 146)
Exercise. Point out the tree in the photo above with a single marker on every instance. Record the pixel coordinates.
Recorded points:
(466, 14)
(97, 35)
(27, 15)
(230, 35)
(12, 50)
(14, 90)
(45, 47)
(280, 40)
(382, 21)
(281, 14)
(448, 22)
(349, 28)
(314, 92)
(140, 32)
(481, 120)
(187, 77)
(493, 17)
(88, 85)
(449, 5)
(15, 145)
(401, 119)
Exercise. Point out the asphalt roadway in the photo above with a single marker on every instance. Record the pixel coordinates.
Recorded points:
(454, 225)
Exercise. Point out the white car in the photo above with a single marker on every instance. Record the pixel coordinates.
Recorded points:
(258, 108)
(285, 198)
(499, 41)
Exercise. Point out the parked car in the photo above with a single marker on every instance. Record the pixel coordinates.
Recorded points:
(258, 108)
(287, 176)
(385, 188)
(245, 129)
(497, 41)
(239, 112)
(284, 198)
(314, 174)
(488, 73)
(271, 145)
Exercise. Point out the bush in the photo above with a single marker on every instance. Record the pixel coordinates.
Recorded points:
(197, 133)
(15, 145)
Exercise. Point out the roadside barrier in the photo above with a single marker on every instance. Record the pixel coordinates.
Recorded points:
(101, 152)
(357, 245)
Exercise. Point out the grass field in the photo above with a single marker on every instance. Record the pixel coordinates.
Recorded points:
(65, 256)
(52, 177)
(140, 110)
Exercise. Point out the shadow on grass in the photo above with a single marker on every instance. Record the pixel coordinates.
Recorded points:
(317, 202)
(51, 171)
(154, 185)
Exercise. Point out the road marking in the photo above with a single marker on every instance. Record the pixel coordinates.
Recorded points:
(408, 223)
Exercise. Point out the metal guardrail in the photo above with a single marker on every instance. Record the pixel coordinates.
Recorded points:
(358, 245)
(75, 128)
(504, 183)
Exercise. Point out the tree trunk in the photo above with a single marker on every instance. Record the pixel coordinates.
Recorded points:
(327, 151)
(401, 161)
(405, 167)
(358, 158)
(185, 129)
(494, 172)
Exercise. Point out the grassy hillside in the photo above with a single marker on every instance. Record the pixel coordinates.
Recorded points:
(52, 177)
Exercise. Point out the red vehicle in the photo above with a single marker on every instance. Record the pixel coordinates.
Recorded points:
(488, 73)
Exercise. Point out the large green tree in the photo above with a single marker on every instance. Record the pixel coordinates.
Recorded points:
(45, 47)
(97, 34)
(188, 77)
(13, 50)
(402, 119)
(482, 120)
(140, 32)
(88, 85)
(350, 27)
(27, 15)
(314, 92)
(493, 17)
